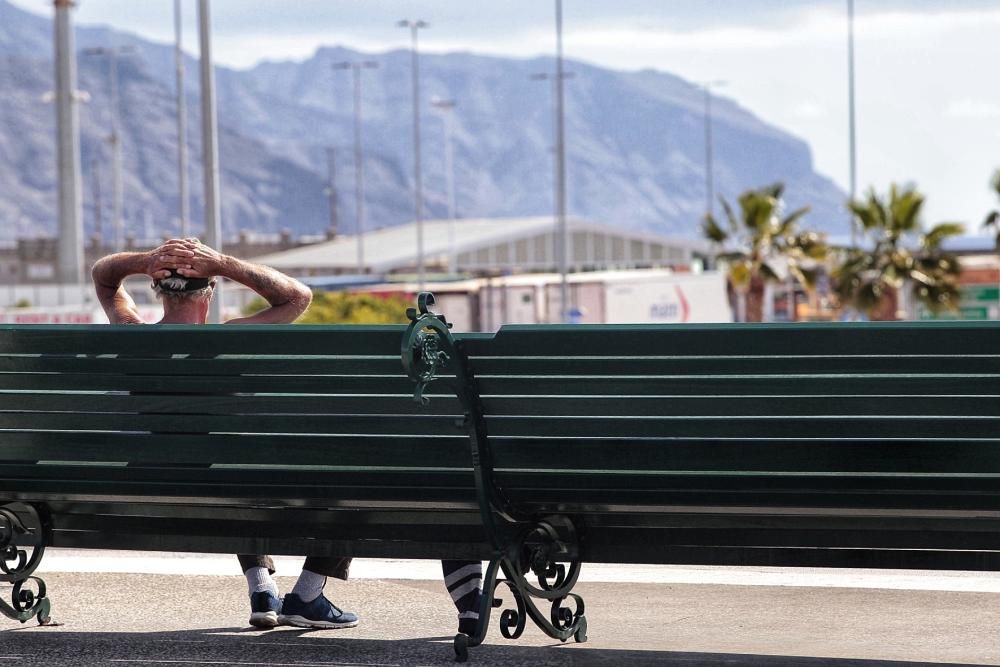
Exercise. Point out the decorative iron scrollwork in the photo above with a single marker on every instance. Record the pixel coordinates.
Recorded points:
(541, 552)
(427, 345)
(22, 527)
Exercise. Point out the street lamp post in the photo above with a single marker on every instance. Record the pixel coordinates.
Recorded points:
(709, 170)
(331, 189)
(70, 248)
(182, 157)
(210, 147)
(115, 140)
(545, 76)
(418, 207)
(561, 169)
(447, 109)
(852, 145)
(359, 166)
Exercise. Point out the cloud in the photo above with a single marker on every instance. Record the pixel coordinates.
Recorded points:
(972, 109)
(811, 27)
(809, 110)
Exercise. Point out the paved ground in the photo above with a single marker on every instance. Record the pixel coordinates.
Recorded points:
(173, 619)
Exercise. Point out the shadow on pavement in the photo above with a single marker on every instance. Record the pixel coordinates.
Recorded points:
(33, 645)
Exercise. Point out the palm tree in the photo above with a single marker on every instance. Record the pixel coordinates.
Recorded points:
(992, 221)
(894, 253)
(756, 241)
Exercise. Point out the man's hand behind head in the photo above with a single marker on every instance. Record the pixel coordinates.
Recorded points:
(173, 255)
(202, 262)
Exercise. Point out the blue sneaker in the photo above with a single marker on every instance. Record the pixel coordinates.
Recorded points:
(264, 608)
(320, 613)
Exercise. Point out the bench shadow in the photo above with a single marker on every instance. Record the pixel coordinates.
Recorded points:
(53, 647)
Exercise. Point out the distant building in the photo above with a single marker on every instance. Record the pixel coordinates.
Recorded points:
(489, 246)
(32, 261)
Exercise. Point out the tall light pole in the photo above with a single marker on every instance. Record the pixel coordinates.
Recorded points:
(561, 169)
(331, 188)
(447, 109)
(545, 76)
(70, 248)
(182, 157)
(852, 147)
(210, 147)
(418, 205)
(115, 140)
(709, 170)
(359, 165)
(95, 184)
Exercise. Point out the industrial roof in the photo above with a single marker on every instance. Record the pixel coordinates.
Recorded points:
(391, 248)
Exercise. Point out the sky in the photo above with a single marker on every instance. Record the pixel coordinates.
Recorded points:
(927, 98)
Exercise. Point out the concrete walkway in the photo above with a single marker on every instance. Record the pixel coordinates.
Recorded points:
(120, 618)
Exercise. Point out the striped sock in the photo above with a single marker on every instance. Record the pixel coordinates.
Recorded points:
(464, 580)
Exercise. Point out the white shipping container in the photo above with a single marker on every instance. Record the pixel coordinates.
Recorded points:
(667, 299)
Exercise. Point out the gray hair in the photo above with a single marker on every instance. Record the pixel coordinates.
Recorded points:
(173, 287)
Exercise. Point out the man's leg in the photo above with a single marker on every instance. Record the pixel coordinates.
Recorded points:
(306, 606)
(464, 579)
(264, 601)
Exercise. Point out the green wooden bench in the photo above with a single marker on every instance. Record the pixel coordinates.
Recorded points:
(300, 440)
(537, 448)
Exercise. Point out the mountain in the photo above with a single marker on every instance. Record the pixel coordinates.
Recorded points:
(634, 140)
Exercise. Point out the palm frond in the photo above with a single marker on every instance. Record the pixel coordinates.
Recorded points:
(788, 224)
(711, 229)
(932, 239)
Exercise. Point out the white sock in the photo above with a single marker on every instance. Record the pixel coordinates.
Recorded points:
(309, 586)
(259, 580)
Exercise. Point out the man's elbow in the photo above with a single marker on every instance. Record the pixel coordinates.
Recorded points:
(303, 298)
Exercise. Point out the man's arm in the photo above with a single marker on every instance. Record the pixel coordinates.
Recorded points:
(287, 297)
(109, 272)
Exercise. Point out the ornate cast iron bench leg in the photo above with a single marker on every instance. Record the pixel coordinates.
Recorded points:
(536, 555)
(16, 566)
(545, 548)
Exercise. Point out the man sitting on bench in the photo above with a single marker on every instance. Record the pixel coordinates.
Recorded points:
(184, 273)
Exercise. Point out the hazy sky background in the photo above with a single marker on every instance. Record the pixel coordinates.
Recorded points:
(928, 100)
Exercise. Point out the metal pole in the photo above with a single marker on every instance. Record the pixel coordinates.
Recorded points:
(70, 246)
(561, 169)
(449, 167)
(709, 148)
(182, 157)
(359, 160)
(447, 114)
(418, 208)
(331, 190)
(95, 166)
(708, 151)
(117, 184)
(210, 148)
(851, 122)
(359, 171)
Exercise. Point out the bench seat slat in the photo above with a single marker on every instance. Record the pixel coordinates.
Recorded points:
(656, 456)
(843, 427)
(208, 384)
(187, 404)
(196, 450)
(298, 365)
(818, 339)
(735, 385)
(723, 406)
(202, 340)
(194, 424)
(723, 365)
